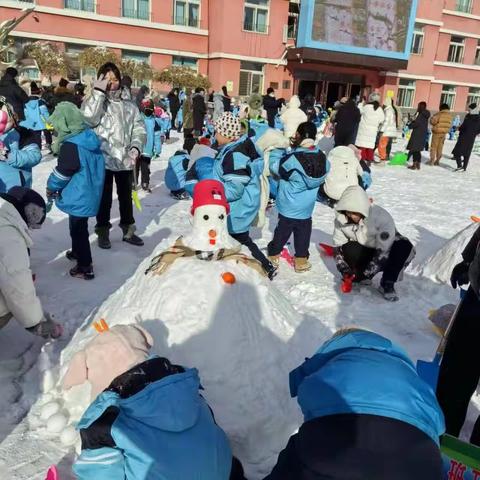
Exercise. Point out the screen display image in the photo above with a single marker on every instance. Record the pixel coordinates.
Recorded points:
(373, 27)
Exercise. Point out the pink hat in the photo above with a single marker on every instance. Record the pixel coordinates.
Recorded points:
(209, 192)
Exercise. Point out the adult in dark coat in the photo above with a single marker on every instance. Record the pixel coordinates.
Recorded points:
(174, 102)
(65, 94)
(271, 106)
(419, 126)
(469, 129)
(141, 94)
(460, 368)
(227, 100)
(199, 110)
(308, 106)
(346, 124)
(11, 90)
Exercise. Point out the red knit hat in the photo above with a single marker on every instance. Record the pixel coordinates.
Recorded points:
(209, 192)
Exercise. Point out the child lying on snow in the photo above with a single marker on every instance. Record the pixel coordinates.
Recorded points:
(149, 420)
(367, 414)
(367, 242)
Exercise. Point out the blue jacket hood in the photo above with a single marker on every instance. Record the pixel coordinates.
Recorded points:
(86, 139)
(364, 373)
(171, 404)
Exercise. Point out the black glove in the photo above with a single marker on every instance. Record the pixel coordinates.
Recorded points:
(459, 275)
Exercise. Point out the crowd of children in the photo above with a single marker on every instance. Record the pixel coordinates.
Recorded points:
(150, 401)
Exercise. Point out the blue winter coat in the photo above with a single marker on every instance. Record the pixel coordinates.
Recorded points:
(22, 155)
(177, 171)
(153, 144)
(164, 432)
(202, 169)
(238, 166)
(36, 114)
(300, 173)
(80, 194)
(361, 372)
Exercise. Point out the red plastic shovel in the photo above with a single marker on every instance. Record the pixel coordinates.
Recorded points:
(347, 283)
(52, 473)
(327, 249)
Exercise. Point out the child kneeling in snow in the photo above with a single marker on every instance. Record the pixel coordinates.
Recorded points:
(367, 415)
(239, 166)
(149, 421)
(367, 242)
(301, 173)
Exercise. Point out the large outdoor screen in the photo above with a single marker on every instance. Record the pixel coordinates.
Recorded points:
(382, 28)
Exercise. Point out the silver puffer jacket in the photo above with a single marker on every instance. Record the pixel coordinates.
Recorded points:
(119, 125)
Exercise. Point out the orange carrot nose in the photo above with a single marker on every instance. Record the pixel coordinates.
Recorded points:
(212, 233)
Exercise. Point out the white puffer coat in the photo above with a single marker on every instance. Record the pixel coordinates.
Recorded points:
(389, 127)
(17, 291)
(344, 171)
(377, 230)
(292, 117)
(369, 125)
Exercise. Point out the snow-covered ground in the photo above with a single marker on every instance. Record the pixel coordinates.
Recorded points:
(199, 321)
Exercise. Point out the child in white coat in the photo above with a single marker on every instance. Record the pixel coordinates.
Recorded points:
(292, 117)
(372, 118)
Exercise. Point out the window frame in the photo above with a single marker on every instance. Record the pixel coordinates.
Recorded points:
(447, 95)
(256, 7)
(295, 16)
(251, 73)
(187, 17)
(183, 65)
(403, 90)
(476, 60)
(149, 12)
(93, 2)
(418, 31)
(456, 46)
(467, 3)
(130, 55)
(473, 97)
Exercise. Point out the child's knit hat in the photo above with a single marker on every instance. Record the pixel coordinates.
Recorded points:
(229, 126)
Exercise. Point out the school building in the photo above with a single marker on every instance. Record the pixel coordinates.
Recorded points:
(250, 45)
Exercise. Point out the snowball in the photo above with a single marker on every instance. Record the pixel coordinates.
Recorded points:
(56, 423)
(48, 410)
(69, 436)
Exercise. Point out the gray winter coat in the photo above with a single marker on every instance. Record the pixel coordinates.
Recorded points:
(118, 124)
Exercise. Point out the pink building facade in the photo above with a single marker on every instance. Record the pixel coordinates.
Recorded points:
(247, 45)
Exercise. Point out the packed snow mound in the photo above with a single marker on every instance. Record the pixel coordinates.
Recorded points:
(241, 338)
(439, 266)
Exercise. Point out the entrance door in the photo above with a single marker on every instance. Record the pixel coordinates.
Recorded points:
(355, 91)
(335, 91)
(307, 87)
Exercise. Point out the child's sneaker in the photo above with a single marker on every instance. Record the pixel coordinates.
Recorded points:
(146, 188)
(180, 196)
(82, 272)
(387, 289)
(271, 271)
(302, 265)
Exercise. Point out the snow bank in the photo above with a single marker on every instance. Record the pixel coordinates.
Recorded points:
(439, 266)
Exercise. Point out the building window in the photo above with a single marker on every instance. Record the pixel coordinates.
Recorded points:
(286, 84)
(86, 5)
(75, 72)
(473, 96)
(251, 78)
(477, 54)
(30, 73)
(256, 16)
(187, 13)
(293, 12)
(185, 62)
(406, 93)
(464, 6)
(136, 9)
(457, 47)
(418, 38)
(448, 95)
(140, 58)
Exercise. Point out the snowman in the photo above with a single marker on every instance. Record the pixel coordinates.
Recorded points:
(241, 333)
(209, 239)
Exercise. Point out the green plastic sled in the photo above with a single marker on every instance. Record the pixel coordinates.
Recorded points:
(399, 159)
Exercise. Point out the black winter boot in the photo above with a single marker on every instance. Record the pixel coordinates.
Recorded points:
(82, 272)
(103, 234)
(387, 289)
(130, 237)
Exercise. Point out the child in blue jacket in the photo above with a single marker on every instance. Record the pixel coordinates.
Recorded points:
(367, 415)
(76, 184)
(202, 161)
(36, 112)
(176, 172)
(19, 150)
(300, 173)
(238, 166)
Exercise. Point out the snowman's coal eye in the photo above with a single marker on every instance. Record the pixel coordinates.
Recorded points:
(206, 217)
(222, 216)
